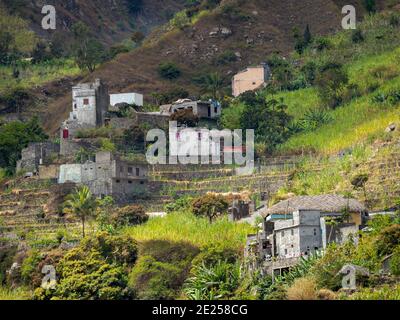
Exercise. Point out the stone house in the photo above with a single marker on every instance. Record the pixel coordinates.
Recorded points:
(298, 227)
(250, 79)
(201, 109)
(108, 175)
(90, 102)
(37, 154)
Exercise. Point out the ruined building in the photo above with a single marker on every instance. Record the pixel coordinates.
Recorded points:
(201, 109)
(37, 154)
(107, 175)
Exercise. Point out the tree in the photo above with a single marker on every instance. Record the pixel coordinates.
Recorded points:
(40, 53)
(6, 41)
(213, 84)
(210, 206)
(137, 37)
(268, 119)
(82, 204)
(15, 136)
(307, 37)
(169, 70)
(370, 5)
(88, 52)
(331, 81)
(135, 6)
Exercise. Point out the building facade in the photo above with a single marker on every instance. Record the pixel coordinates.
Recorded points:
(251, 79)
(108, 175)
(129, 98)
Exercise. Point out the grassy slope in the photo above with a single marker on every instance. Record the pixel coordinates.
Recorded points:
(360, 119)
(185, 227)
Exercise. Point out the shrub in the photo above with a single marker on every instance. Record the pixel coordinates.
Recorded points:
(388, 239)
(183, 203)
(325, 294)
(331, 82)
(395, 262)
(210, 206)
(214, 282)
(225, 58)
(169, 70)
(161, 269)
(357, 36)
(95, 270)
(129, 216)
(303, 289)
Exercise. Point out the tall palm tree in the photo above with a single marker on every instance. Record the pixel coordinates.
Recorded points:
(82, 204)
(213, 84)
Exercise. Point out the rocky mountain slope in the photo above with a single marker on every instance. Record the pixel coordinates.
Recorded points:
(110, 20)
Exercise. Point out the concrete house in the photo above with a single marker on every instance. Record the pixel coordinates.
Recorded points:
(250, 79)
(201, 109)
(131, 98)
(107, 175)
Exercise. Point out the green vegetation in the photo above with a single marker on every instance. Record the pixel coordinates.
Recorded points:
(169, 70)
(185, 227)
(82, 204)
(15, 136)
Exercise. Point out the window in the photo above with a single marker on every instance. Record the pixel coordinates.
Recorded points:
(137, 172)
(315, 232)
(85, 102)
(121, 169)
(118, 181)
(75, 106)
(292, 232)
(130, 182)
(216, 110)
(130, 170)
(141, 182)
(286, 252)
(283, 234)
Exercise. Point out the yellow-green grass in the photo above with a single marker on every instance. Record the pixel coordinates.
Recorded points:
(33, 75)
(355, 122)
(17, 294)
(185, 227)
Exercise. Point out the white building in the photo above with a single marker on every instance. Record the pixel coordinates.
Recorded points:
(129, 98)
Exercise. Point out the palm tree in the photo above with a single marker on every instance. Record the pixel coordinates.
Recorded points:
(82, 204)
(213, 84)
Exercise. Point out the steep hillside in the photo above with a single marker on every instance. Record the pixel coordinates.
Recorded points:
(110, 20)
(254, 29)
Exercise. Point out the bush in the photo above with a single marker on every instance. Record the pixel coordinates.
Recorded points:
(183, 203)
(225, 58)
(169, 70)
(331, 82)
(129, 216)
(303, 289)
(388, 239)
(95, 270)
(185, 118)
(161, 269)
(395, 262)
(210, 206)
(357, 36)
(215, 282)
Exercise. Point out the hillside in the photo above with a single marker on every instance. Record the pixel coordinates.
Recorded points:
(111, 21)
(254, 30)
